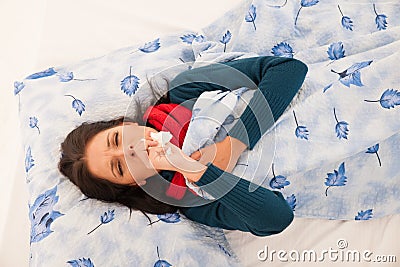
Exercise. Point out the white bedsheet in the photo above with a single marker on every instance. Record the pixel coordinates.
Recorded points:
(33, 35)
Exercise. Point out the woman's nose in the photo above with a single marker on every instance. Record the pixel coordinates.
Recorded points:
(122, 151)
(130, 150)
(140, 152)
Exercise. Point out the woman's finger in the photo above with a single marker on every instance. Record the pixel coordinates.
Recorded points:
(150, 143)
(196, 155)
(148, 134)
(156, 149)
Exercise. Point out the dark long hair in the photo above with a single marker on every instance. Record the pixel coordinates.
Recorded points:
(73, 166)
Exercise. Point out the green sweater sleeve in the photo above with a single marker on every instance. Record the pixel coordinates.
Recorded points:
(278, 80)
(262, 212)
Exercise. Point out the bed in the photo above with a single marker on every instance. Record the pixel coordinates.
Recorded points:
(375, 235)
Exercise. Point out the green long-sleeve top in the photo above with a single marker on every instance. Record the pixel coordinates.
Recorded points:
(261, 212)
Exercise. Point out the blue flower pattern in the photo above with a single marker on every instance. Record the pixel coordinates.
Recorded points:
(81, 262)
(107, 217)
(150, 46)
(305, 3)
(18, 86)
(336, 51)
(78, 105)
(188, 38)
(291, 200)
(327, 87)
(66, 77)
(130, 84)
(69, 76)
(380, 20)
(168, 218)
(226, 38)
(42, 215)
(33, 123)
(42, 74)
(351, 75)
(282, 49)
(278, 182)
(337, 178)
(374, 150)
(341, 127)
(251, 16)
(347, 23)
(28, 160)
(160, 262)
(301, 131)
(200, 38)
(364, 215)
(389, 99)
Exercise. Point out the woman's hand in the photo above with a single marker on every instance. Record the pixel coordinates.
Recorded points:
(224, 154)
(171, 157)
(167, 157)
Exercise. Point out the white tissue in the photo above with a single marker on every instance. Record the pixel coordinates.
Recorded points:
(162, 138)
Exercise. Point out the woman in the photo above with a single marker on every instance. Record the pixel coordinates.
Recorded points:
(94, 159)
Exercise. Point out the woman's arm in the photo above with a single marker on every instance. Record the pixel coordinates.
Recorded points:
(277, 78)
(261, 212)
(223, 155)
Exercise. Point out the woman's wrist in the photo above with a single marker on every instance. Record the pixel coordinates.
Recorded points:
(237, 145)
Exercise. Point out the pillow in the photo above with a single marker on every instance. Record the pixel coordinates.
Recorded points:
(67, 227)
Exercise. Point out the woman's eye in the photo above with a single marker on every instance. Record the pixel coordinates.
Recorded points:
(116, 139)
(120, 168)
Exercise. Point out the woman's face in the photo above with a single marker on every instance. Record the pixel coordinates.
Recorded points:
(119, 154)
